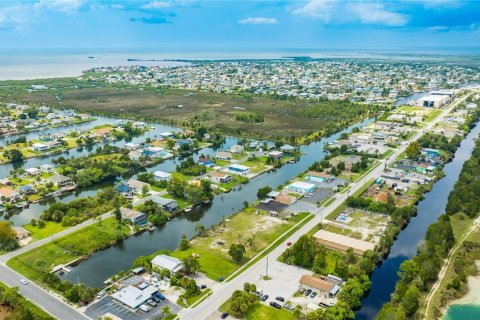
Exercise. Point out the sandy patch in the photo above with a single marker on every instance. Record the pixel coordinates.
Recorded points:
(473, 295)
(265, 223)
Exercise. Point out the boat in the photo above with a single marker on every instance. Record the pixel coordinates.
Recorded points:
(152, 228)
(188, 209)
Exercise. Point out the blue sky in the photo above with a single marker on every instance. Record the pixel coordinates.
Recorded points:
(210, 25)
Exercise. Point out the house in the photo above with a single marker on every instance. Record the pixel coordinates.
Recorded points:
(33, 171)
(341, 243)
(325, 287)
(275, 154)
(5, 182)
(236, 148)
(220, 177)
(272, 194)
(132, 146)
(119, 123)
(239, 169)
(139, 124)
(169, 205)
(27, 189)
(163, 261)
(301, 187)
(9, 194)
(39, 147)
(133, 297)
(286, 148)
(134, 216)
(206, 161)
(53, 144)
(319, 176)
(60, 180)
(47, 167)
(379, 135)
(162, 176)
(21, 233)
(125, 190)
(223, 155)
(471, 106)
(137, 185)
(183, 142)
(285, 199)
(167, 135)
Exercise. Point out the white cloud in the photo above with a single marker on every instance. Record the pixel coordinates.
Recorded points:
(258, 20)
(16, 17)
(375, 13)
(318, 9)
(60, 5)
(333, 11)
(162, 4)
(438, 28)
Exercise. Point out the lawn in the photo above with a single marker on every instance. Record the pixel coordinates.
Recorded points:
(75, 245)
(433, 114)
(243, 227)
(37, 313)
(256, 166)
(50, 228)
(259, 311)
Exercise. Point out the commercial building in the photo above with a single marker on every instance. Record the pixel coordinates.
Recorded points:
(433, 101)
(133, 297)
(163, 261)
(301, 187)
(318, 176)
(339, 242)
(314, 283)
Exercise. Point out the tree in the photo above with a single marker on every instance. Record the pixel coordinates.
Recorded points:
(413, 150)
(240, 302)
(318, 314)
(8, 239)
(263, 192)
(118, 214)
(184, 243)
(200, 229)
(191, 264)
(237, 251)
(410, 300)
(14, 155)
(166, 310)
(249, 287)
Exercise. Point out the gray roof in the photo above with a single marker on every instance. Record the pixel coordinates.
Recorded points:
(58, 178)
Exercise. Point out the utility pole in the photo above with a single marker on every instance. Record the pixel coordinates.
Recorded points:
(266, 271)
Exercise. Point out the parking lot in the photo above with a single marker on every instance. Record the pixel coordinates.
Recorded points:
(109, 305)
(272, 206)
(319, 195)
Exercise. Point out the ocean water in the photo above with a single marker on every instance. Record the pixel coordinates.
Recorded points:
(463, 312)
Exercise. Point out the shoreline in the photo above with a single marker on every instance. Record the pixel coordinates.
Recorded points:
(471, 297)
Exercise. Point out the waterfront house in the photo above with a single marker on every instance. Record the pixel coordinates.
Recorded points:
(239, 169)
(139, 124)
(163, 261)
(27, 189)
(275, 154)
(119, 123)
(223, 155)
(21, 233)
(39, 147)
(162, 176)
(61, 180)
(236, 148)
(125, 190)
(9, 194)
(135, 217)
(33, 171)
(169, 205)
(286, 148)
(206, 162)
(47, 167)
(166, 135)
(137, 185)
(220, 177)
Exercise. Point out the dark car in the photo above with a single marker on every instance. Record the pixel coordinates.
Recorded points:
(224, 315)
(156, 299)
(281, 299)
(159, 296)
(203, 287)
(313, 295)
(264, 297)
(275, 305)
(307, 293)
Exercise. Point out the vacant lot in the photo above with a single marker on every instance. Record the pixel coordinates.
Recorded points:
(254, 231)
(282, 119)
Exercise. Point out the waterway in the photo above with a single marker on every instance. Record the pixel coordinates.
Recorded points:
(103, 264)
(385, 276)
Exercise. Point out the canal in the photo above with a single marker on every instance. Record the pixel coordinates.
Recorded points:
(103, 264)
(385, 276)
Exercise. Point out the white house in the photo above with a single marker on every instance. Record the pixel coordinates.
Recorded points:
(133, 297)
(162, 176)
(239, 169)
(39, 147)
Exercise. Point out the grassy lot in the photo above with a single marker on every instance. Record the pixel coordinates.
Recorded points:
(50, 228)
(37, 313)
(343, 231)
(256, 166)
(192, 300)
(241, 228)
(77, 244)
(433, 114)
(410, 109)
(259, 311)
(282, 118)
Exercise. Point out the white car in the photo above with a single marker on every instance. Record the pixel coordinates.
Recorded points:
(23, 281)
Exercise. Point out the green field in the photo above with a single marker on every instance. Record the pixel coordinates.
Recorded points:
(283, 118)
(37, 313)
(50, 228)
(259, 311)
(239, 228)
(75, 245)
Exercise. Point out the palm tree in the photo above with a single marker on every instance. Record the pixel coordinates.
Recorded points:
(166, 310)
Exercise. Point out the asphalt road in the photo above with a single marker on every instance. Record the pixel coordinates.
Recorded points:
(224, 290)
